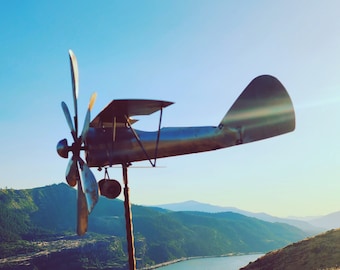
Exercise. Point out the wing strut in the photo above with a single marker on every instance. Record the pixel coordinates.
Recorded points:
(158, 135)
(152, 161)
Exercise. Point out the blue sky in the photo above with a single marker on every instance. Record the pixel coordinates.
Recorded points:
(199, 54)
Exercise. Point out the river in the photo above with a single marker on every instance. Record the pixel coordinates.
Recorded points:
(217, 263)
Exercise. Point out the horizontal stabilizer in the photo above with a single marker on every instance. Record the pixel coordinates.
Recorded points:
(263, 110)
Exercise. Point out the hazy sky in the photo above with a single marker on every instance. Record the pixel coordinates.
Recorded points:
(199, 54)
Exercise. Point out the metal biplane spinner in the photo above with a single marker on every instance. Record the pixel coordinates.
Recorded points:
(263, 110)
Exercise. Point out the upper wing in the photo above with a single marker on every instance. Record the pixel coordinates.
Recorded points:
(118, 110)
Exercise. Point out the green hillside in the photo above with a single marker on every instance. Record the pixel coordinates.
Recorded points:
(319, 252)
(47, 215)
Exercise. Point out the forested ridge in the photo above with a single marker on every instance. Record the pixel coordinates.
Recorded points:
(43, 219)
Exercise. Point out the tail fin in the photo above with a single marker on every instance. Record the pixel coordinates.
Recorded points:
(263, 110)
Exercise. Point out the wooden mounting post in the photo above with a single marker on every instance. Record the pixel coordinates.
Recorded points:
(128, 222)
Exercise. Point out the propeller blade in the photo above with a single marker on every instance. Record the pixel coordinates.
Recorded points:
(72, 174)
(88, 117)
(82, 211)
(75, 86)
(92, 100)
(68, 118)
(86, 126)
(89, 183)
(87, 195)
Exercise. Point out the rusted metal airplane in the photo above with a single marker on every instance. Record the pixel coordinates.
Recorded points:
(263, 110)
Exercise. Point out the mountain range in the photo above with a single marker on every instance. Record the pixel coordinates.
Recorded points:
(37, 232)
(311, 225)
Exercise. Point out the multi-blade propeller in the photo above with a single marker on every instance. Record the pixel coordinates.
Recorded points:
(86, 183)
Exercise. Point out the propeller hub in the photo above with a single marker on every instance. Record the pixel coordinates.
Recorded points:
(62, 148)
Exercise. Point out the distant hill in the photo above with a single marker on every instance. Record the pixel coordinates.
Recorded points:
(319, 252)
(309, 227)
(34, 222)
(331, 221)
(198, 206)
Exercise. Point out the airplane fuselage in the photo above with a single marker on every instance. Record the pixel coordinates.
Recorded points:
(108, 146)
